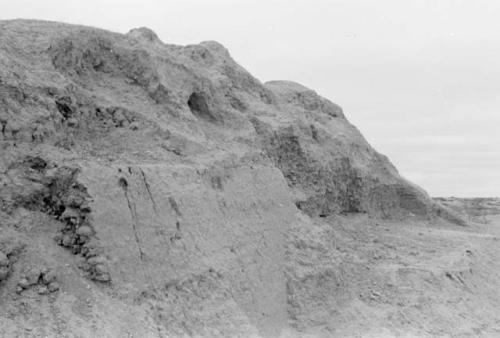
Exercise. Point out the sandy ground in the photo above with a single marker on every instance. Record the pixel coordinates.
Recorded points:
(414, 279)
(347, 276)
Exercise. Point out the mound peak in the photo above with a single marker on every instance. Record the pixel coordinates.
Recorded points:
(144, 33)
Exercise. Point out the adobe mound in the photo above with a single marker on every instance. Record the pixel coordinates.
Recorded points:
(172, 176)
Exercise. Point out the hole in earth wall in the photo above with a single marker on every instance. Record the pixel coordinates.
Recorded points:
(198, 105)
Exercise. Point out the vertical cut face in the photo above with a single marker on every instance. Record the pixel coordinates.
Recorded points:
(199, 107)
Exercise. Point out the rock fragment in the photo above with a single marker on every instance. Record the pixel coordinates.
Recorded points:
(23, 283)
(134, 125)
(42, 279)
(48, 276)
(84, 231)
(97, 268)
(72, 122)
(53, 287)
(42, 290)
(33, 275)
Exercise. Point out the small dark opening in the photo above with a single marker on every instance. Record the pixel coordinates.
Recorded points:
(35, 163)
(199, 107)
(123, 183)
(64, 106)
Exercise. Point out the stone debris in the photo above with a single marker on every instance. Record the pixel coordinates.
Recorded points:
(43, 280)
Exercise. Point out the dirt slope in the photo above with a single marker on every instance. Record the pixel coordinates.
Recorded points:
(153, 190)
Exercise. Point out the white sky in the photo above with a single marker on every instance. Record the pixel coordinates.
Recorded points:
(420, 79)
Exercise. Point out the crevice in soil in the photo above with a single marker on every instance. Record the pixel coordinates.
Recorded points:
(148, 189)
(133, 212)
(174, 206)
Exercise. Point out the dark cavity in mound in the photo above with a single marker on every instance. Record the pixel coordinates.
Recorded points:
(199, 107)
